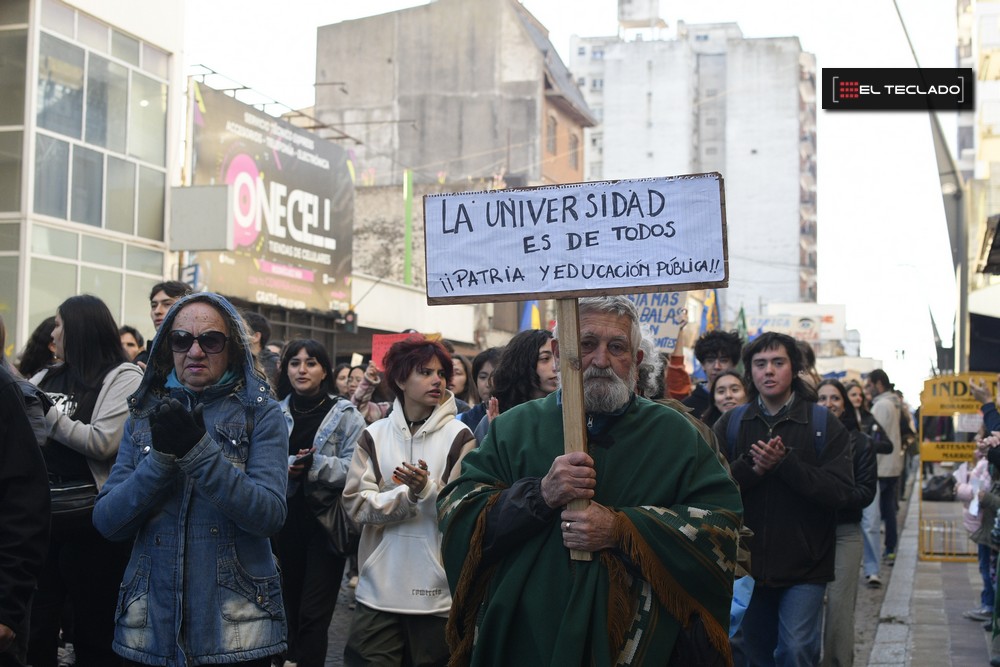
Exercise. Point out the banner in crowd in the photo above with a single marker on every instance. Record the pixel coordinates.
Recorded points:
(799, 327)
(612, 237)
(292, 201)
(662, 314)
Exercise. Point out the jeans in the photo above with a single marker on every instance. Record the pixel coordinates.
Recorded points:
(871, 531)
(783, 626)
(985, 554)
(887, 506)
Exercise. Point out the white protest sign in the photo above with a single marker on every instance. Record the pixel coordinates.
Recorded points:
(662, 313)
(563, 241)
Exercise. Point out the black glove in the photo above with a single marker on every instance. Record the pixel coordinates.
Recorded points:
(174, 429)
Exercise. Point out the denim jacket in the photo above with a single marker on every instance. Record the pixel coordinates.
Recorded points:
(201, 586)
(335, 440)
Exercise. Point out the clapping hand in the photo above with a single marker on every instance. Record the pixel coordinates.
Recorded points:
(175, 430)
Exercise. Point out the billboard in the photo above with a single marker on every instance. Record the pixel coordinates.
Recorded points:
(292, 206)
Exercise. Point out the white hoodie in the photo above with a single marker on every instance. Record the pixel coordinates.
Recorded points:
(399, 558)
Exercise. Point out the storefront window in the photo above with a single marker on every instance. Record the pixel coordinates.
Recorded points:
(50, 284)
(107, 285)
(101, 251)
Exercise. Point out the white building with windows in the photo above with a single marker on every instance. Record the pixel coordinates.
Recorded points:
(710, 100)
(90, 107)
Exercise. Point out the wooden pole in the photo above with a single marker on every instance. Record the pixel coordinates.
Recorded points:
(571, 370)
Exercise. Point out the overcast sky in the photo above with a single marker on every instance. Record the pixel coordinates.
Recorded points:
(883, 245)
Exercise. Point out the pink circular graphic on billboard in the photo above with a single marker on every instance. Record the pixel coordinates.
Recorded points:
(242, 174)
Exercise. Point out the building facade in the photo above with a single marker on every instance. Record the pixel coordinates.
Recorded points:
(711, 100)
(90, 104)
(461, 95)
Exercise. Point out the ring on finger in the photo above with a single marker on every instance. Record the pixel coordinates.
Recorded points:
(566, 526)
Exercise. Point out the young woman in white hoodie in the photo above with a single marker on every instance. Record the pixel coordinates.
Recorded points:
(400, 464)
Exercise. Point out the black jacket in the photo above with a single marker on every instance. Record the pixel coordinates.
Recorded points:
(24, 506)
(865, 477)
(791, 509)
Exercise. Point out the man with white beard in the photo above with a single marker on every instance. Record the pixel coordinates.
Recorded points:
(662, 525)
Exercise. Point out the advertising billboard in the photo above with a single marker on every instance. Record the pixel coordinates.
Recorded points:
(292, 206)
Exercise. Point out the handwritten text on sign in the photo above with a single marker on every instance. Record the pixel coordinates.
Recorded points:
(663, 315)
(560, 240)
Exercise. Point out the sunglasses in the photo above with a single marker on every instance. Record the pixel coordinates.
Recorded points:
(210, 342)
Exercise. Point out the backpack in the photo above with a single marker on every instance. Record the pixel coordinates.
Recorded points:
(818, 416)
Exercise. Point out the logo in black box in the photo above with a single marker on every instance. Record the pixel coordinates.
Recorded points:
(900, 89)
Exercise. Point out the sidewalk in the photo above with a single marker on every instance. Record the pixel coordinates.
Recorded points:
(920, 622)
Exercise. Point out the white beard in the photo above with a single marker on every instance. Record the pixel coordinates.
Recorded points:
(603, 396)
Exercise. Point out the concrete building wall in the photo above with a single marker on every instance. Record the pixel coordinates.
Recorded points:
(762, 173)
(452, 89)
(649, 123)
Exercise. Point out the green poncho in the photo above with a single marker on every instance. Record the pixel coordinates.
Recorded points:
(677, 517)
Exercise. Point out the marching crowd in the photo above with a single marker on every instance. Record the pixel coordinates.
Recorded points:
(199, 501)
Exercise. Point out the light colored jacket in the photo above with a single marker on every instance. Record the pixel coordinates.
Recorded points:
(335, 440)
(97, 441)
(886, 410)
(399, 558)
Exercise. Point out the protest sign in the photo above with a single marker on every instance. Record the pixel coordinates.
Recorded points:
(563, 241)
(381, 344)
(662, 314)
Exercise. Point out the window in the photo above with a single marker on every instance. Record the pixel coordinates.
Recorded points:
(551, 127)
(151, 199)
(148, 119)
(51, 176)
(88, 186)
(574, 151)
(125, 47)
(10, 171)
(597, 53)
(107, 95)
(597, 84)
(13, 11)
(107, 100)
(711, 120)
(60, 86)
(581, 82)
(13, 65)
(711, 150)
(121, 196)
(581, 50)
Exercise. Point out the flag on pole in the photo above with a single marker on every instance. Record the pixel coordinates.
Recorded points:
(741, 325)
(531, 316)
(710, 313)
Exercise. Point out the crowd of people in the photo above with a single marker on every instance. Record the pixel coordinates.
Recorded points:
(199, 490)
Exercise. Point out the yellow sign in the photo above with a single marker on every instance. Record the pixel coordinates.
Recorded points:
(945, 395)
(947, 451)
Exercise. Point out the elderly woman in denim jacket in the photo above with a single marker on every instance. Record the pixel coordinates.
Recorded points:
(199, 486)
(323, 429)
